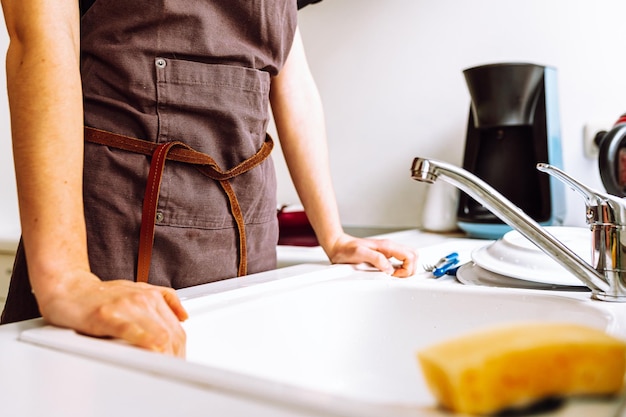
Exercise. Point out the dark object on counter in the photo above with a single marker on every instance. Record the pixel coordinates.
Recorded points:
(302, 3)
(539, 407)
(612, 158)
(294, 228)
(513, 125)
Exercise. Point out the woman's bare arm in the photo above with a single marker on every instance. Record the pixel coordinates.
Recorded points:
(45, 99)
(299, 117)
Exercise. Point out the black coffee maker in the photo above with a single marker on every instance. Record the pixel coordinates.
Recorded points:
(513, 124)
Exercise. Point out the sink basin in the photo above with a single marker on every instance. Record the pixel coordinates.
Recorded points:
(332, 338)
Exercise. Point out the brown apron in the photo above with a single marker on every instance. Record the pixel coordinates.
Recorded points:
(196, 72)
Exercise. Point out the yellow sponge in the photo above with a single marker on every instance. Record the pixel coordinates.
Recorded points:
(513, 366)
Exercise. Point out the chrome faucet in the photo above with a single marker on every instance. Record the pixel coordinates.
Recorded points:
(606, 215)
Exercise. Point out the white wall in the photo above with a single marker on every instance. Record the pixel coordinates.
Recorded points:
(9, 218)
(390, 76)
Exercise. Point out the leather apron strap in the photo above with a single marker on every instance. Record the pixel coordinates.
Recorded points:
(179, 152)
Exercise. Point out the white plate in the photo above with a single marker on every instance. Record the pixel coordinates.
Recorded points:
(515, 256)
(472, 274)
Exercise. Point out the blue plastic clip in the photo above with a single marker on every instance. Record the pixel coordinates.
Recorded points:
(444, 264)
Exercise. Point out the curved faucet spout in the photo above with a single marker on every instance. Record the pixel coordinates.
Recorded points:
(588, 194)
(428, 170)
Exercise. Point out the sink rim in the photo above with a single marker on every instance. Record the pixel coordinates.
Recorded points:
(240, 384)
(293, 277)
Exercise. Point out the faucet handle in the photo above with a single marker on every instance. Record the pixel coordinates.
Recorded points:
(614, 208)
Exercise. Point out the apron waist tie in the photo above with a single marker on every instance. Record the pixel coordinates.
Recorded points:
(179, 152)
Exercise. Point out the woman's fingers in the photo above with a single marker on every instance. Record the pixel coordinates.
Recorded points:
(376, 252)
(407, 256)
(155, 329)
(141, 314)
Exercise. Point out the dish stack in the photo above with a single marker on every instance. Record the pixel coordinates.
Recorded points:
(514, 261)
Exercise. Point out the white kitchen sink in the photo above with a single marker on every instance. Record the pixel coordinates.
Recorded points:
(332, 338)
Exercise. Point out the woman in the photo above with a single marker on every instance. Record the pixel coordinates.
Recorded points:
(100, 97)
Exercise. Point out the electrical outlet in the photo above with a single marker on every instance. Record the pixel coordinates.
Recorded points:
(590, 130)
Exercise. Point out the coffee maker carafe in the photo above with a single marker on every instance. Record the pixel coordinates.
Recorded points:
(513, 124)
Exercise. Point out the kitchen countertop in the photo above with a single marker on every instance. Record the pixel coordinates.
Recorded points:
(37, 381)
(294, 255)
(9, 237)
(8, 244)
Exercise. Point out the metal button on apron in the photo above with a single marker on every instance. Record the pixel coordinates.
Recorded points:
(160, 62)
(159, 217)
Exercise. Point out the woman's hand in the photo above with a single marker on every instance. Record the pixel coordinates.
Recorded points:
(144, 315)
(376, 252)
